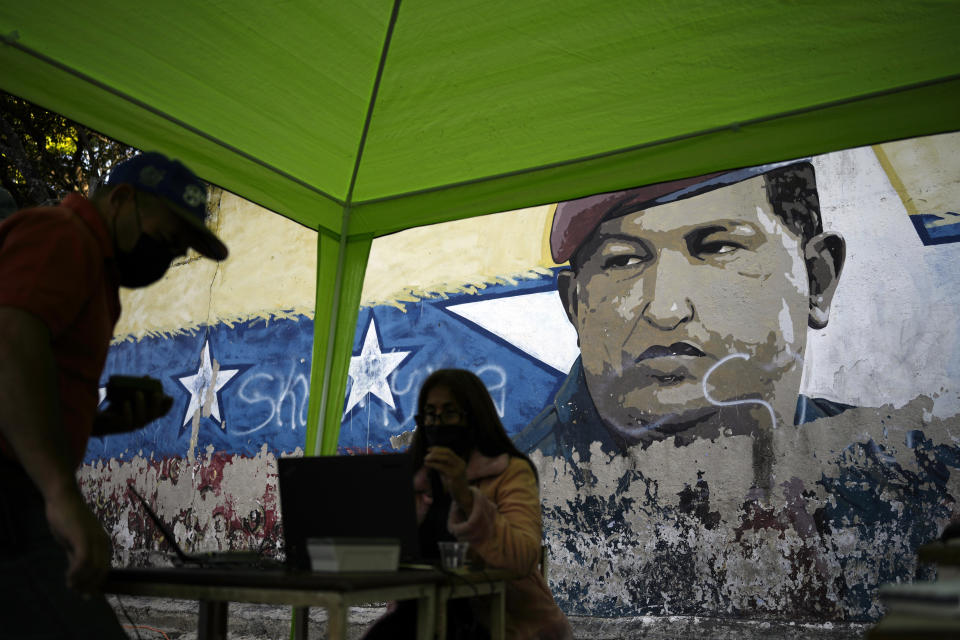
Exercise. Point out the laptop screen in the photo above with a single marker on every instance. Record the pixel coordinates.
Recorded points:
(365, 496)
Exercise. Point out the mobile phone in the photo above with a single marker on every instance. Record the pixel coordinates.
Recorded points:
(123, 388)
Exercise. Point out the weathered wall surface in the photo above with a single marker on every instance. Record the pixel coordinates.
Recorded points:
(232, 344)
(745, 428)
(657, 500)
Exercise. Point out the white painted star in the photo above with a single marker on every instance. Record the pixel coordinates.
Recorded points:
(370, 369)
(535, 323)
(199, 385)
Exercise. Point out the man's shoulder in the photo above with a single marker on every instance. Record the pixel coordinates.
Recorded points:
(570, 422)
(38, 216)
(49, 224)
(810, 409)
(50, 264)
(540, 433)
(543, 433)
(56, 238)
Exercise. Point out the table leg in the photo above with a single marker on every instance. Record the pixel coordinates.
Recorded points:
(498, 603)
(337, 620)
(301, 623)
(427, 616)
(212, 623)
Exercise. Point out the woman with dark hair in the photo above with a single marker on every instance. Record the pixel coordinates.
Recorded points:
(473, 485)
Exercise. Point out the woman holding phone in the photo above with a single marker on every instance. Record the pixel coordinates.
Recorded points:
(474, 486)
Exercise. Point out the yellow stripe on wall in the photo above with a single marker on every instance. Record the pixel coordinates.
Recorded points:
(925, 172)
(271, 273)
(462, 256)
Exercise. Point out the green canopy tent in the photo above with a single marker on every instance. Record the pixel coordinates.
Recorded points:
(363, 117)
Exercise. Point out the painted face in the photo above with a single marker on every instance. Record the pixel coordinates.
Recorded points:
(688, 309)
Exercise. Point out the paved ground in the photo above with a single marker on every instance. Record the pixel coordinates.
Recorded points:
(157, 618)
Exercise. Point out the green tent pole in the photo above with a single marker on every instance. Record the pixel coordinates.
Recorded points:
(341, 266)
(355, 266)
(328, 250)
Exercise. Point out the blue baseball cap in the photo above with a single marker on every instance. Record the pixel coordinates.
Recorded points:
(153, 172)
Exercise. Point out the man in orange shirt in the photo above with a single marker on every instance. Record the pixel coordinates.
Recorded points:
(60, 270)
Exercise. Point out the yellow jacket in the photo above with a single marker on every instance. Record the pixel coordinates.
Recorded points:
(504, 530)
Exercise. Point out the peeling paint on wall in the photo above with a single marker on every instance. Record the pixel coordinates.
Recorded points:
(220, 502)
(682, 530)
(816, 483)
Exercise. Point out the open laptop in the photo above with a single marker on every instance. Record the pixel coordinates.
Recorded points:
(212, 559)
(347, 497)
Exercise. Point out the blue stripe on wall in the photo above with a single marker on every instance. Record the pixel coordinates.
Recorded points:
(263, 402)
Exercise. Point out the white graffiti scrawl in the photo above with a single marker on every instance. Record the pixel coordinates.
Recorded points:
(277, 392)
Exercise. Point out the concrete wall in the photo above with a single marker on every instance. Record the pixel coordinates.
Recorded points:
(730, 511)
(658, 500)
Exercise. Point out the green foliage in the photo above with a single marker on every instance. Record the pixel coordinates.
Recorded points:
(46, 156)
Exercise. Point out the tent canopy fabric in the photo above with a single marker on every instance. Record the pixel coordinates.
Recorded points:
(366, 117)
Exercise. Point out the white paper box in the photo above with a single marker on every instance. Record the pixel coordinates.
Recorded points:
(353, 554)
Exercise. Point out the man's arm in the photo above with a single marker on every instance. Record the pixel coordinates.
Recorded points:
(31, 424)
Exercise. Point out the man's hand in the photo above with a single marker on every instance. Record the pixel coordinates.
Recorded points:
(134, 412)
(453, 474)
(81, 534)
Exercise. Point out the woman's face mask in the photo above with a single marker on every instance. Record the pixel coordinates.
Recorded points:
(444, 423)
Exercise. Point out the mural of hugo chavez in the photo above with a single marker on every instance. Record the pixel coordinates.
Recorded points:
(691, 300)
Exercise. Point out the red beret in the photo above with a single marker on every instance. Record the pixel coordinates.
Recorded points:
(575, 220)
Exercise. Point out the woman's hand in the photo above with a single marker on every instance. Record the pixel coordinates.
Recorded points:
(453, 474)
(422, 496)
